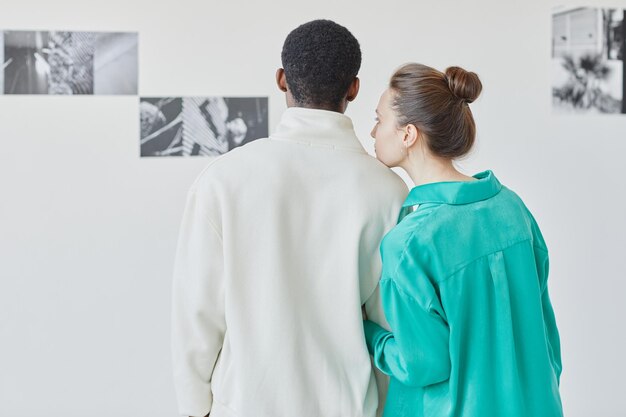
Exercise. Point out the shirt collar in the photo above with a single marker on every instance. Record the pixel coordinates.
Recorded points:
(320, 128)
(456, 192)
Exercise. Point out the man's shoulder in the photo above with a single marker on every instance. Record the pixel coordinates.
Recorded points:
(381, 179)
(234, 160)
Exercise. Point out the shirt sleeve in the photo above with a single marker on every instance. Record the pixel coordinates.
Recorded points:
(417, 352)
(552, 333)
(198, 323)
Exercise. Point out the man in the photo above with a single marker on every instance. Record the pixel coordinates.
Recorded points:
(279, 249)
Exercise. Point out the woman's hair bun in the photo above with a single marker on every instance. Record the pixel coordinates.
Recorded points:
(464, 84)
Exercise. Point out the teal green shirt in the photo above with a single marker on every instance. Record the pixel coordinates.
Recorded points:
(464, 290)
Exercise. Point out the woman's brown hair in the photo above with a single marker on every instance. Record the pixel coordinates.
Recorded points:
(437, 104)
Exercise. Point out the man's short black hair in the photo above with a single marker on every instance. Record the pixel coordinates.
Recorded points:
(320, 59)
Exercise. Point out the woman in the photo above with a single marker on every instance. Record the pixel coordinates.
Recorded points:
(464, 271)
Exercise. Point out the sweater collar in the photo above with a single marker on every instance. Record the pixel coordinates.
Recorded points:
(455, 192)
(318, 128)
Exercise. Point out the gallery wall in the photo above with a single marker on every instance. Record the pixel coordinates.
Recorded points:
(88, 228)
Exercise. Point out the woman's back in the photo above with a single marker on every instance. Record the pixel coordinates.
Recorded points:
(464, 289)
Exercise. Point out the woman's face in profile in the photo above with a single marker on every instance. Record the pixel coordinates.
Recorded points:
(387, 136)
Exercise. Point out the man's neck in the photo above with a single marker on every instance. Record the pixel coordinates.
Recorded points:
(335, 109)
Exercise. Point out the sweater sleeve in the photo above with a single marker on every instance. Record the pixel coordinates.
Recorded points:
(198, 322)
(374, 310)
(416, 353)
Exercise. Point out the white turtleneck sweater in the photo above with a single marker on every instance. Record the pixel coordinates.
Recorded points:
(278, 250)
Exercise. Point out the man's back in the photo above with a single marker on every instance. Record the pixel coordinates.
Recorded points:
(295, 222)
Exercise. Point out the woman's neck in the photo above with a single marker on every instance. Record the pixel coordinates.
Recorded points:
(429, 170)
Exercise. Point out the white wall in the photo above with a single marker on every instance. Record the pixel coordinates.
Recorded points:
(88, 229)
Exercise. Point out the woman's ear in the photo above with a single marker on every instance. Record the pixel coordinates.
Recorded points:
(411, 135)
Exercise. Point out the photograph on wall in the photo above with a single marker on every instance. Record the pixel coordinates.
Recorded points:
(116, 64)
(200, 126)
(70, 63)
(2, 61)
(588, 60)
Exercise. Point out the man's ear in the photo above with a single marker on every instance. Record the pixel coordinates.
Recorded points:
(281, 80)
(353, 91)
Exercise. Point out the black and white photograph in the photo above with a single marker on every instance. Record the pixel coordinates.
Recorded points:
(48, 62)
(2, 61)
(70, 63)
(588, 60)
(200, 126)
(116, 66)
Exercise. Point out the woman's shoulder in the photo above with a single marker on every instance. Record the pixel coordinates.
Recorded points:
(412, 235)
(439, 238)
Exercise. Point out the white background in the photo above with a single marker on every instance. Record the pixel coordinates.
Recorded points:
(88, 229)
